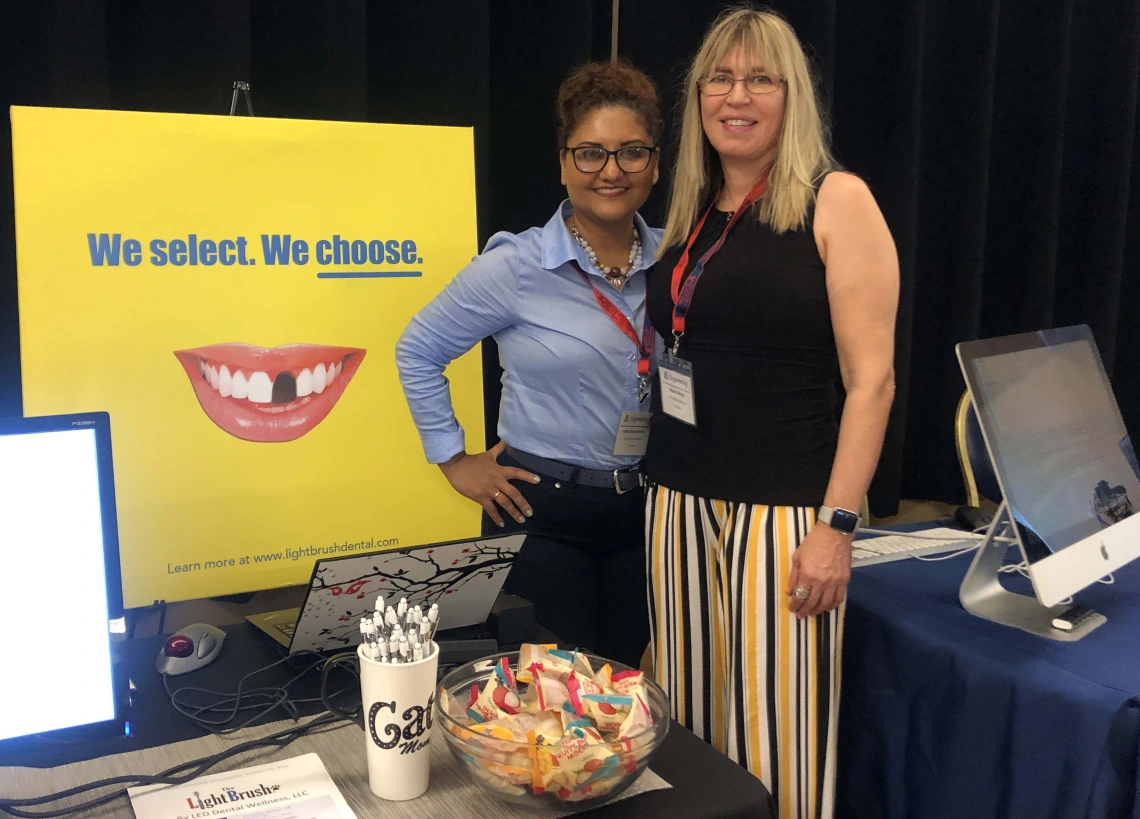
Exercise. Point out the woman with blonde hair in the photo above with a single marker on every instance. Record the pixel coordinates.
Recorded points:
(776, 277)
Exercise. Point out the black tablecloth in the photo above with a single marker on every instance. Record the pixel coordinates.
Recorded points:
(706, 785)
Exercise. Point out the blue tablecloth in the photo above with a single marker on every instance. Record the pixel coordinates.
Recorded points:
(945, 715)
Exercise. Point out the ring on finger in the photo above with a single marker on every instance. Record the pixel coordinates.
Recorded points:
(801, 592)
(497, 494)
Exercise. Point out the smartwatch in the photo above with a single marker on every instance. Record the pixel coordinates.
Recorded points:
(841, 520)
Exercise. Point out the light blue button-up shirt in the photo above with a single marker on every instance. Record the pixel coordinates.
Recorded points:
(569, 371)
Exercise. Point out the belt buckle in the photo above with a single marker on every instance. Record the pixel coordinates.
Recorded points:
(617, 481)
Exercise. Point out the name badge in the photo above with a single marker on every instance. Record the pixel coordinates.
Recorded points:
(633, 434)
(676, 376)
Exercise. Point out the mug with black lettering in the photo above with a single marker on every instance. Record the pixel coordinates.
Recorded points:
(397, 699)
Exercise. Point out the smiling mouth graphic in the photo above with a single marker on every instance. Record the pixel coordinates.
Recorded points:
(269, 395)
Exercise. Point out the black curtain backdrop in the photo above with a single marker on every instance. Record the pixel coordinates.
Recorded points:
(998, 138)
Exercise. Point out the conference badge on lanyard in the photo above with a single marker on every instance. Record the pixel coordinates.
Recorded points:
(633, 434)
(676, 374)
(633, 428)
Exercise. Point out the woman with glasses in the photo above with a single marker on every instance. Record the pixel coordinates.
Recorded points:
(777, 279)
(566, 304)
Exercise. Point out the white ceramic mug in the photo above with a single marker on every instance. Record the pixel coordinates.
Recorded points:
(397, 699)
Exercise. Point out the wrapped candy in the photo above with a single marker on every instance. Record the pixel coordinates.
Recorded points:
(576, 687)
(608, 711)
(556, 664)
(639, 719)
(546, 727)
(499, 729)
(582, 665)
(496, 700)
(516, 770)
(476, 708)
(575, 761)
(555, 725)
(506, 693)
(546, 693)
(580, 727)
(529, 654)
(451, 706)
(505, 675)
(575, 659)
(629, 683)
(496, 782)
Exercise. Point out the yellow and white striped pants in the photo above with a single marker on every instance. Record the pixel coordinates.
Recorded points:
(741, 671)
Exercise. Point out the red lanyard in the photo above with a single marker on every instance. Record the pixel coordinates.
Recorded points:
(644, 345)
(683, 296)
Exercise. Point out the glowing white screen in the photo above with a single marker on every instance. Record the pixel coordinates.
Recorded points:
(53, 611)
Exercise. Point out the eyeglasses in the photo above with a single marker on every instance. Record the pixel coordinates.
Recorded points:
(718, 85)
(631, 159)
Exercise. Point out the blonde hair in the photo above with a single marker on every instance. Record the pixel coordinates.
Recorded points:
(803, 156)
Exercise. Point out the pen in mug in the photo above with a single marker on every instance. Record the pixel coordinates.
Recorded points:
(393, 636)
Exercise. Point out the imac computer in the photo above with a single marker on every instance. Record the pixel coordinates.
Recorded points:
(1067, 471)
(59, 554)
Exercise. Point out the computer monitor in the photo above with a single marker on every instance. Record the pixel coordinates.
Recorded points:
(1061, 454)
(59, 555)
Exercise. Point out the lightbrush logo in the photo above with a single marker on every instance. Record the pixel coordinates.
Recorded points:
(228, 795)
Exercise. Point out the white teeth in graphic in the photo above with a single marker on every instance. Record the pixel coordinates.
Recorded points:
(304, 383)
(260, 388)
(739, 121)
(240, 387)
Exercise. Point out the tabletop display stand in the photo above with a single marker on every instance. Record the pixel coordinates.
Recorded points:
(982, 593)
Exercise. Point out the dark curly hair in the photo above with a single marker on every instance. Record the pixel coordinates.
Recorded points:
(604, 85)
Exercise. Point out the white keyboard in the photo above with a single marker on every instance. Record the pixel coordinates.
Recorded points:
(885, 548)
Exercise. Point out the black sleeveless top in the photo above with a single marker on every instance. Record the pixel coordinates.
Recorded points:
(765, 369)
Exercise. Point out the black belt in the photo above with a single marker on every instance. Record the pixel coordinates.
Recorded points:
(620, 480)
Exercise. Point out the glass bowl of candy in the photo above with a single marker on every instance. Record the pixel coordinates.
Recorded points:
(566, 730)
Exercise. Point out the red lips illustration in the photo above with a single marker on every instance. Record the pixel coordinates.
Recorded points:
(269, 395)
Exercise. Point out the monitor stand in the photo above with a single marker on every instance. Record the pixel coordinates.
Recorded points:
(982, 593)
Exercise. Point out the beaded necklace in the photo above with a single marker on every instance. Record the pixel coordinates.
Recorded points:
(617, 276)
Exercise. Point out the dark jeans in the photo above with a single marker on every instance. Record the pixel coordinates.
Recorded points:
(583, 565)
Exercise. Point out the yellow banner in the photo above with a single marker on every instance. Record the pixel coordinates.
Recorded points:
(230, 290)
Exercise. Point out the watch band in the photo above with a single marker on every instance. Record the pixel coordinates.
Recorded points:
(842, 520)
